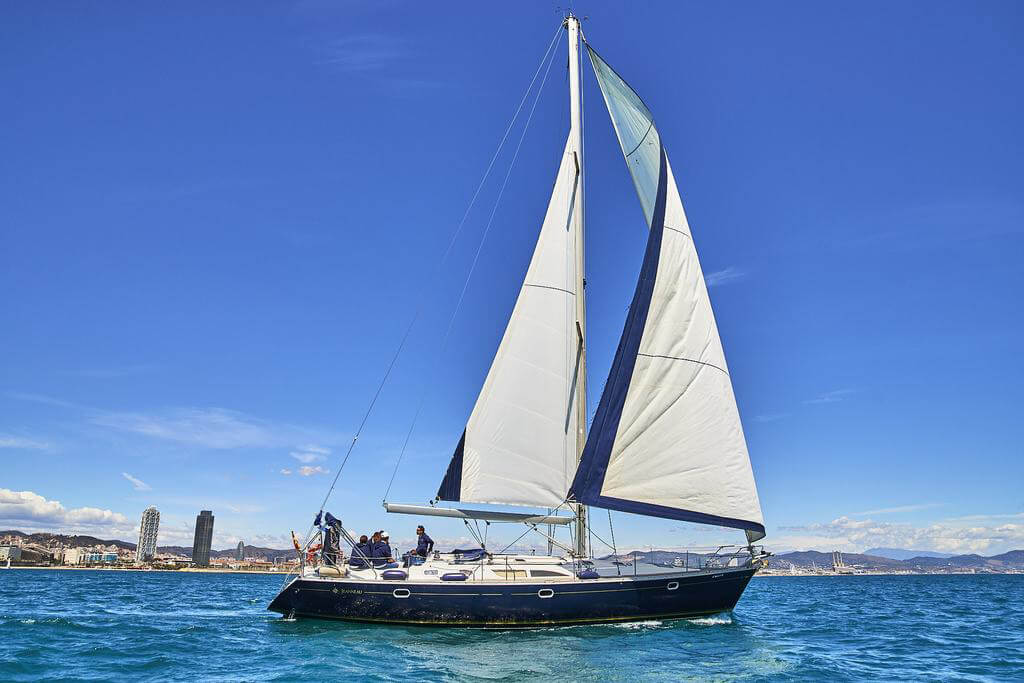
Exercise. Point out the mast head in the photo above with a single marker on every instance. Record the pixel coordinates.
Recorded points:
(569, 16)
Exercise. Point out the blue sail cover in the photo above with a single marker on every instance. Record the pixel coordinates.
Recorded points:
(666, 440)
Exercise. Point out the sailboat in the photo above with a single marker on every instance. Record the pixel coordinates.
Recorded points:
(666, 440)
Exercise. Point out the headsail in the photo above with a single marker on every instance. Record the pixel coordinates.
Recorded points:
(667, 439)
(520, 443)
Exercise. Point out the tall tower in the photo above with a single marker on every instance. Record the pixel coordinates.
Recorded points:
(204, 536)
(240, 551)
(148, 530)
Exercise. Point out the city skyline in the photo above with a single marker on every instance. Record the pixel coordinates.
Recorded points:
(209, 273)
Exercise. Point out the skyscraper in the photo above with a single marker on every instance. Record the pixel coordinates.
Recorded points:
(148, 530)
(240, 551)
(204, 536)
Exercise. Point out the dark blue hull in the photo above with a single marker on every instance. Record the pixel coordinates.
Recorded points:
(513, 605)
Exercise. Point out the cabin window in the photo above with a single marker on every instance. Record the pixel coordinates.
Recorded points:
(510, 574)
(545, 572)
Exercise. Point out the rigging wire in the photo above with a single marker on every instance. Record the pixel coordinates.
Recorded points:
(472, 268)
(593, 536)
(444, 257)
(611, 530)
(533, 528)
(515, 541)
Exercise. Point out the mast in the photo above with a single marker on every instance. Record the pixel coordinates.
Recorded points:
(572, 24)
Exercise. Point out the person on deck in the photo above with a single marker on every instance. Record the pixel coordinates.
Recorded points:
(424, 543)
(381, 551)
(361, 553)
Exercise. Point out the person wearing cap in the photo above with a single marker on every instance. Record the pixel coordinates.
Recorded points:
(385, 540)
(381, 550)
(424, 543)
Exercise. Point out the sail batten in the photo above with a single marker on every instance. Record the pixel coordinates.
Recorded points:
(666, 440)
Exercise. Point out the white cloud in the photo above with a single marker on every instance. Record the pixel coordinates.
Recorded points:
(215, 428)
(831, 396)
(21, 443)
(724, 276)
(285, 471)
(39, 398)
(364, 53)
(212, 428)
(307, 470)
(28, 511)
(137, 483)
(307, 457)
(978, 518)
(857, 535)
(310, 453)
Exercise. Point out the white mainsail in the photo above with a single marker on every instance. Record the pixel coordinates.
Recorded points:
(520, 443)
(667, 440)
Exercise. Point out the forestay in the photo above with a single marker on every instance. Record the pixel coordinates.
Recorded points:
(519, 446)
(666, 440)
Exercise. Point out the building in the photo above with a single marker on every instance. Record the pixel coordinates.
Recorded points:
(203, 539)
(146, 549)
(10, 553)
(73, 556)
(240, 551)
(102, 557)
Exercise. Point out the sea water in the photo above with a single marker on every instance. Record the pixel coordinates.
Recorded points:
(114, 625)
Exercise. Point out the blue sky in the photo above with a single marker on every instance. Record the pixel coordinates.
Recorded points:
(216, 225)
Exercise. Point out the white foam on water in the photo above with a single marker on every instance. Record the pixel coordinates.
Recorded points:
(28, 621)
(717, 620)
(632, 625)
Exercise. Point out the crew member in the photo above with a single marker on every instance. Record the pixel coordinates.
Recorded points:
(380, 548)
(424, 543)
(361, 553)
(381, 551)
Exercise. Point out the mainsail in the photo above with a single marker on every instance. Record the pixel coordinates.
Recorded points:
(666, 440)
(520, 443)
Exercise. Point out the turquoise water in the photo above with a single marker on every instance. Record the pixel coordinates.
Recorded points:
(108, 625)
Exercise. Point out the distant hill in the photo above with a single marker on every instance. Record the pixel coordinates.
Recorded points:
(71, 541)
(78, 541)
(1013, 559)
(250, 551)
(1009, 560)
(901, 554)
(808, 558)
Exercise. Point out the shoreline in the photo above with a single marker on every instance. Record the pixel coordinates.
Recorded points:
(144, 571)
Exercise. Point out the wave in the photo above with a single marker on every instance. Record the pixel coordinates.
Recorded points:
(632, 625)
(716, 620)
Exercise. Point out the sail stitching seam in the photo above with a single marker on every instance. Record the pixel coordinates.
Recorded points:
(691, 360)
